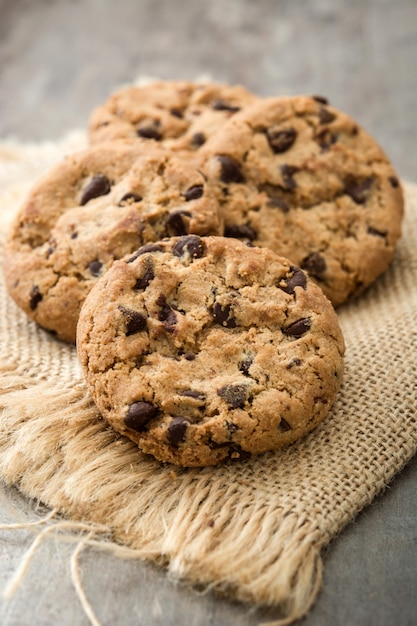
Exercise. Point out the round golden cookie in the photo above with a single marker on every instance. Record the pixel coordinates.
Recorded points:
(304, 179)
(180, 114)
(97, 206)
(205, 349)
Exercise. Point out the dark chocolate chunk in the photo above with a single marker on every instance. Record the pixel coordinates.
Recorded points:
(299, 328)
(239, 231)
(294, 362)
(130, 198)
(326, 116)
(320, 99)
(374, 231)
(166, 313)
(281, 140)
(139, 415)
(135, 321)
(198, 139)
(177, 113)
(189, 356)
(359, 191)
(221, 105)
(175, 222)
(148, 247)
(234, 395)
(190, 393)
(95, 267)
(394, 181)
(221, 315)
(325, 138)
(230, 170)
(279, 203)
(177, 430)
(314, 264)
(284, 425)
(191, 244)
(297, 279)
(236, 453)
(98, 186)
(74, 235)
(35, 297)
(194, 192)
(288, 172)
(245, 365)
(144, 281)
(149, 132)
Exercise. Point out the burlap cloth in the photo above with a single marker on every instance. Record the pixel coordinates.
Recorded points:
(253, 529)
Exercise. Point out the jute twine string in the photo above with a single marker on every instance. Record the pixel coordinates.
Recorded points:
(252, 529)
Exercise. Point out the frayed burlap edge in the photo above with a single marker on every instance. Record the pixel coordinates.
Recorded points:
(253, 530)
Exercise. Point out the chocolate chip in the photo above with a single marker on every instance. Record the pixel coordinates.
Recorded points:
(374, 231)
(177, 113)
(177, 430)
(221, 315)
(294, 362)
(190, 393)
(230, 170)
(239, 231)
(194, 192)
(281, 140)
(166, 313)
(221, 105)
(320, 99)
(326, 116)
(288, 172)
(139, 415)
(234, 395)
(74, 235)
(279, 203)
(130, 198)
(394, 181)
(147, 248)
(245, 365)
(325, 138)
(98, 186)
(198, 139)
(189, 357)
(95, 267)
(314, 264)
(299, 328)
(297, 279)
(191, 244)
(359, 191)
(284, 425)
(175, 222)
(135, 321)
(237, 454)
(149, 132)
(144, 281)
(35, 297)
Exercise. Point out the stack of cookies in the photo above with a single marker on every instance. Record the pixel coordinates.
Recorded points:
(195, 253)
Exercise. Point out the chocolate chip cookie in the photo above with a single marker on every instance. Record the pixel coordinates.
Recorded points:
(180, 114)
(97, 206)
(304, 179)
(206, 349)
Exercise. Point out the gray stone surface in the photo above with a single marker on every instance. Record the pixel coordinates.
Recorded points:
(60, 58)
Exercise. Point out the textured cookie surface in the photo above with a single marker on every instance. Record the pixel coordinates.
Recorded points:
(93, 208)
(302, 178)
(205, 349)
(182, 115)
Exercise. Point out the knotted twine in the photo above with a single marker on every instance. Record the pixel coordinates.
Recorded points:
(251, 529)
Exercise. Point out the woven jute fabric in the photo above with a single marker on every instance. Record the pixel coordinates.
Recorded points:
(255, 528)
